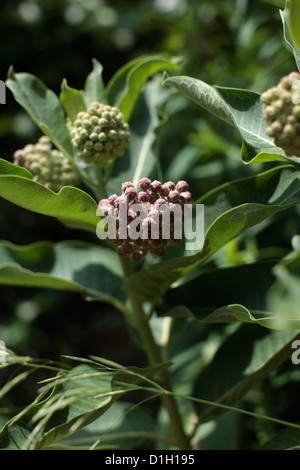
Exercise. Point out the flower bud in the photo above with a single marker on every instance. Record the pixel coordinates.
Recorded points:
(100, 134)
(282, 113)
(47, 165)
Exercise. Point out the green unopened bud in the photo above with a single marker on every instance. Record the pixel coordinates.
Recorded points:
(100, 134)
(281, 111)
(47, 165)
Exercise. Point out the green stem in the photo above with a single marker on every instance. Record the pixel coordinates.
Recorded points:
(154, 355)
(101, 188)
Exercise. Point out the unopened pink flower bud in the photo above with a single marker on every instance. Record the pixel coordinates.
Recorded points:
(137, 256)
(156, 186)
(131, 193)
(173, 196)
(187, 196)
(153, 198)
(126, 185)
(170, 185)
(143, 196)
(145, 184)
(182, 186)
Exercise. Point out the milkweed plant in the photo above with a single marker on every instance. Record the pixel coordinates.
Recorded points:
(211, 332)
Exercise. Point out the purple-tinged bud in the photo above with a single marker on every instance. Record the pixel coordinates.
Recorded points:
(153, 198)
(121, 252)
(118, 242)
(164, 191)
(112, 199)
(173, 196)
(145, 184)
(120, 200)
(137, 256)
(157, 251)
(126, 185)
(174, 241)
(187, 196)
(143, 196)
(156, 186)
(131, 193)
(156, 243)
(103, 202)
(127, 248)
(182, 186)
(170, 185)
(160, 203)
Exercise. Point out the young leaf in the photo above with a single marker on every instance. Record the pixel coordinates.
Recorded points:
(124, 88)
(43, 106)
(72, 100)
(94, 88)
(239, 108)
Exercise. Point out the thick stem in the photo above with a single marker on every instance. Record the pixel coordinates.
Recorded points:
(154, 356)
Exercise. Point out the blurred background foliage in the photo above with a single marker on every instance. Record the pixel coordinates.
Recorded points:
(234, 43)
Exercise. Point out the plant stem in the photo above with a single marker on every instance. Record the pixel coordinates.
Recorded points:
(101, 184)
(154, 355)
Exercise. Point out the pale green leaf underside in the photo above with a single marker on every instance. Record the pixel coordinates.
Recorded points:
(239, 108)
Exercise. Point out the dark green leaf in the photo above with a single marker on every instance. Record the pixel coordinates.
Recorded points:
(90, 270)
(254, 354)
(43, 106)
(71, 205)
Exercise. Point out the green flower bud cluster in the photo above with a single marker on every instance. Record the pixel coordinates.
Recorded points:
(281, 111)
(151, 200)
(100, 134)
(47, 165)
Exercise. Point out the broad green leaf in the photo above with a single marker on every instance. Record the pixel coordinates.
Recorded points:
(228, 212)
(124, 88)
(246, 357)
(239, 108)
(7, 168)
(80, 396)
(94, 88)
(90, 270)
(294, 14)
(242, 296)
(43, 106)
(136, 78)
(71, 205)
(72, 100)
(291, 27)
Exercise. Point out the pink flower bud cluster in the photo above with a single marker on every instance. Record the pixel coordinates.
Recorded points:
(151, 198)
